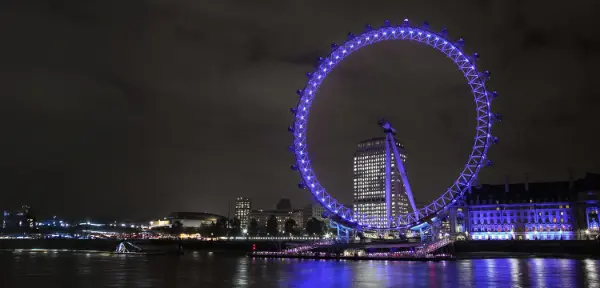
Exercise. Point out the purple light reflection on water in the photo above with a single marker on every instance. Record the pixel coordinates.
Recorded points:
(463, 273)
(227, 269)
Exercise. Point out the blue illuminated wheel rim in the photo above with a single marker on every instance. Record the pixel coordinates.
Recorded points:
(483, 139)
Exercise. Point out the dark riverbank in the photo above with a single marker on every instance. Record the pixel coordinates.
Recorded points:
(110, 244)
(462, 250)
(505, 248)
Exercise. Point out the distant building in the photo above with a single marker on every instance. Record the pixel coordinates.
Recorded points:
(187, 219)
(262, 216)
(20, 219)
(54, 222)
(318, 211)
(564, 210)
(243, 206)
(315, 210)
(369, 182)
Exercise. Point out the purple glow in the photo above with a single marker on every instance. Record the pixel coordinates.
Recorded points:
(475, 80)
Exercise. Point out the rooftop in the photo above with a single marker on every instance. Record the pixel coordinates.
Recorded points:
(372, 143)
(194, 215)
(535, 192)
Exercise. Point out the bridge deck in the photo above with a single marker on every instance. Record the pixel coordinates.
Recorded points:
(394, 245)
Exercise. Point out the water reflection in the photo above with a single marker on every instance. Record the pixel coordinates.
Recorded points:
(492, 270)
(567, 268)
(538, 270)
(467, 275)
(201, 269)
(591, 273)
(515, 272)
(241, 272)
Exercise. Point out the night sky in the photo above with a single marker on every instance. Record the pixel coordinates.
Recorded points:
(132, 109)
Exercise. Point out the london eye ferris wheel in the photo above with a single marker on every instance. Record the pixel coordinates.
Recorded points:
(466, 64)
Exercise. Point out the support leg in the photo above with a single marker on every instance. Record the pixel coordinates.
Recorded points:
(388, 185)
(400, 166)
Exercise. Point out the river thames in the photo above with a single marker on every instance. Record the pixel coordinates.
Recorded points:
(208, 269)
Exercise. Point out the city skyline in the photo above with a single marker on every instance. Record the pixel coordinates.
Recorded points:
(111, 120)
(315, 207)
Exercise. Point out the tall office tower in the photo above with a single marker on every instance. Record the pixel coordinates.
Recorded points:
(242, 210)
(369, 182)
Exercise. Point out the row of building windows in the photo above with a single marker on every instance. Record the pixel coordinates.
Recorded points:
(474, 215)
(513, 220)
(527, 228)
(515, 201)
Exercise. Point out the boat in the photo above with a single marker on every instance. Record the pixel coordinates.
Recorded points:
(128, 248)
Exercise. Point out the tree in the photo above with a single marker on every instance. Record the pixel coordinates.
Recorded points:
(214, 229)
(310, 227)
(272, 226)
(235, 227)
(289, 226)
(219, 228)
(176, 228)
(314, 227)
(222, 223)
(253, 227)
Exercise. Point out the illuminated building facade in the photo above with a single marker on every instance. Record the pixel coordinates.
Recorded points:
(262, 216)
(369, 182)
(243, 206)
(187, 220)
(565, 210)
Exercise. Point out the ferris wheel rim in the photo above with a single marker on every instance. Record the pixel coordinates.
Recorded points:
(483, 138)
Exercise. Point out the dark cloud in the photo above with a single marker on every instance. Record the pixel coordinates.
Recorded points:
(138, 108)
(537, 39)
